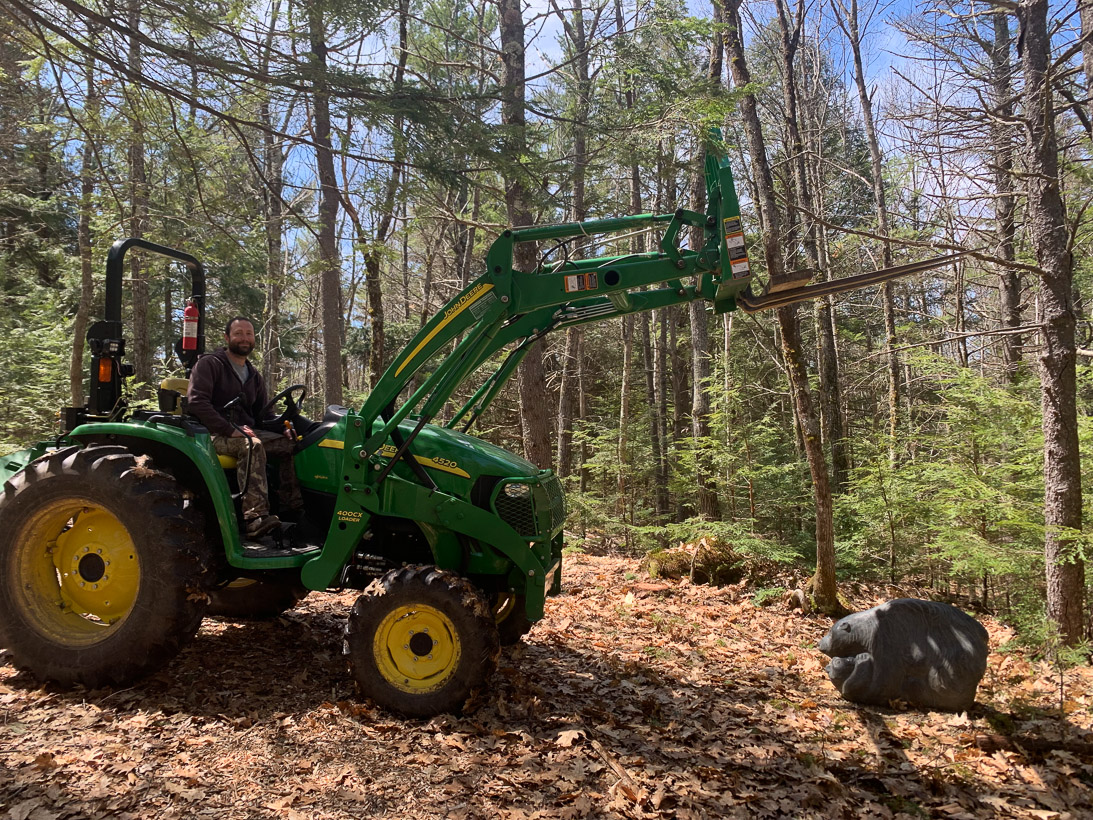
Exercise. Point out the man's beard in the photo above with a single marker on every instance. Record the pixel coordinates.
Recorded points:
(240, 348)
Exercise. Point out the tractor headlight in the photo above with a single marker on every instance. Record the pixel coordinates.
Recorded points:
(517, 491)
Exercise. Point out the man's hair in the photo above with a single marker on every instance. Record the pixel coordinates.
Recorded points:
(233, 320)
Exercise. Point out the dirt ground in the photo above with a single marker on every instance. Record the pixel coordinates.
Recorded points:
(633, 698)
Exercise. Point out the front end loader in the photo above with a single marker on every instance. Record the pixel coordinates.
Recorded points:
(120, 535)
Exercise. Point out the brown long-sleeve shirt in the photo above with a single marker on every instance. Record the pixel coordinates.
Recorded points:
(213, 383)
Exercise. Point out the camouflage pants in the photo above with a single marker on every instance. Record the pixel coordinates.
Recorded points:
(256, 498)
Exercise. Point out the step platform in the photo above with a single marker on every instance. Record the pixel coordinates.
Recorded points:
(287, 542)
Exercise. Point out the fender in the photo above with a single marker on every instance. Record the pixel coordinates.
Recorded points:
(198, 450)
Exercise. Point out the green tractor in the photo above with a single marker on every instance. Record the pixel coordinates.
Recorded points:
(120, 535)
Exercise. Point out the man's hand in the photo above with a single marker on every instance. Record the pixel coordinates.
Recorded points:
(246, 432)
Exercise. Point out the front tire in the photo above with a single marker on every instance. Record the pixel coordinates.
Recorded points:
(421, 641)
(103, 567)
(511, 617)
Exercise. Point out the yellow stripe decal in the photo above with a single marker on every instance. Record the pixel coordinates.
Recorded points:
(465, 302)
(389, 450)
(433, 464)
(442, 464)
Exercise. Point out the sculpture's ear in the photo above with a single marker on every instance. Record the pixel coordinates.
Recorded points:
(843, 626)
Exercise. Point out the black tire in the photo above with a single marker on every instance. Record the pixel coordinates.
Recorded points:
(401, 665)
(511, 617)
(251, 599)
(103, 567)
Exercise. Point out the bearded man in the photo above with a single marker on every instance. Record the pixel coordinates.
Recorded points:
(218, 379)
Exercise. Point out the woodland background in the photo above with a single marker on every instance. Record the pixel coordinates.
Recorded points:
(341, 168)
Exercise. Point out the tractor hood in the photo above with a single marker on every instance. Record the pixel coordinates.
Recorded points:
(478, 457)
(454, 460)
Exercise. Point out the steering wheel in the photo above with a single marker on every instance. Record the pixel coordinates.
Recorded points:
(292, 404)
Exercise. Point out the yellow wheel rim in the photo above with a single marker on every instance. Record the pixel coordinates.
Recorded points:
(505, 605)
(80, 569)
(417, 648)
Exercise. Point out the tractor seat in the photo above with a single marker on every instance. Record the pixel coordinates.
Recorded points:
(172, 395)
(172, 399)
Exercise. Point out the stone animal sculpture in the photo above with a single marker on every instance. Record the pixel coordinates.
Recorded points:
(924, 653)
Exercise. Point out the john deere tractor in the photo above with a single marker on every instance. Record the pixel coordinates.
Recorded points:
(120, 535)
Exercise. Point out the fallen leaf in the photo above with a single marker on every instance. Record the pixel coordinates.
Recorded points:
(568, 737)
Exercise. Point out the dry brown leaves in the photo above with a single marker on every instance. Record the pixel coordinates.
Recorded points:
(633, 698)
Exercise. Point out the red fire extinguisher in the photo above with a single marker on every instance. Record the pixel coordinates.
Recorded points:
(189, 326)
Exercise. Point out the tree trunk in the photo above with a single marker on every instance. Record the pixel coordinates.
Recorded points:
(1046, 222)
(373, 246)
(705, 483)
(1005, 202)
(582, 413)
(848, 21)
(567, 404)
(138, 181)
(333, 323)
(822, 585)
(273, 162)
(1085, 10)
(622, 496)
(567, 399)
(681, 394)
(534, 408)
(830, 398)
(660, 376)
(660, 482)
(76, 372)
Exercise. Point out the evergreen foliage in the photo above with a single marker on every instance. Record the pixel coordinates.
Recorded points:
(956, 502)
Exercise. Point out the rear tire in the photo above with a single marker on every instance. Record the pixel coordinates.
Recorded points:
(103, 567)
(421, 641)
(250, 599)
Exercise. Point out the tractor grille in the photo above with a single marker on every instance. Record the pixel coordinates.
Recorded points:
(556, 498)
(532, 509)
(518, 512)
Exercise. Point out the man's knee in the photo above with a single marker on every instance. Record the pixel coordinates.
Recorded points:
(280, 446)
(230, 446)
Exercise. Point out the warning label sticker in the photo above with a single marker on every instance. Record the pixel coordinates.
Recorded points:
(731, 225)
(740, 269)
(580, 281)
(482, 305)
(734, 240)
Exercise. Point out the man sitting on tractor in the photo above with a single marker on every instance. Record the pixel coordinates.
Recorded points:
(218, 379)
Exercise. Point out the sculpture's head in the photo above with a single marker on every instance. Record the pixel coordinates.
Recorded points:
(840, 669)
(850, 635)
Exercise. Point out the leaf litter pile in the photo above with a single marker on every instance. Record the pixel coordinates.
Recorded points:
(634, 697)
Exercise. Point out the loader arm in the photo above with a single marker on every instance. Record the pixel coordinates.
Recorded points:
(510, 308)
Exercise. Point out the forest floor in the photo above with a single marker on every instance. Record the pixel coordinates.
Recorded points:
(633, 698)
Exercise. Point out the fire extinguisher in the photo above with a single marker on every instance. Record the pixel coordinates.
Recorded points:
(189, 326)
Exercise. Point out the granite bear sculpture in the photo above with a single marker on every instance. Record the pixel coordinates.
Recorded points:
(924, 653)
